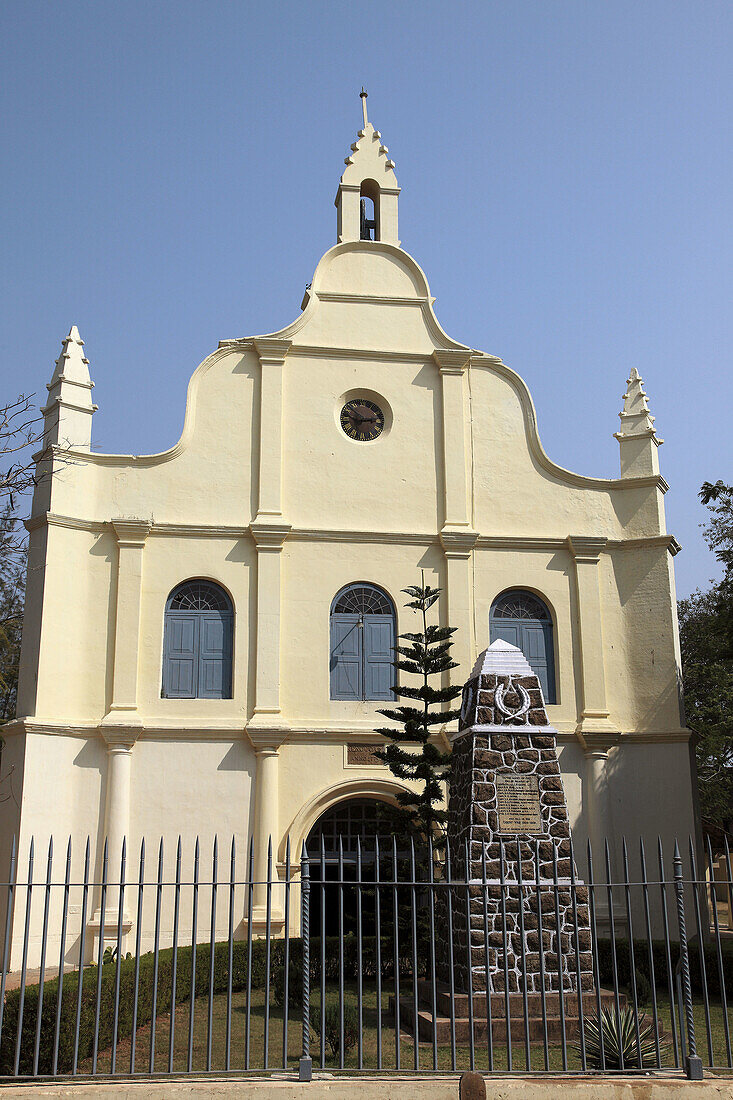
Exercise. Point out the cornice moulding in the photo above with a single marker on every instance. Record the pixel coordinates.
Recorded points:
(586, 548)
(315, 534)
(270, 349)
(317, 351)
(131, 532)
(452, 360)
(307, 534)
(376, 299)
(270, 535)
(62, 402)
(325, 733)
(458, 544)
(69, 382)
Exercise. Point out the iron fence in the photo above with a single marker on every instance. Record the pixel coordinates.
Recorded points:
(377, 958)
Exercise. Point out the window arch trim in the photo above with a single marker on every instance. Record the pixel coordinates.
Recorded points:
(199, 594)
(362, 597)
(520, 603)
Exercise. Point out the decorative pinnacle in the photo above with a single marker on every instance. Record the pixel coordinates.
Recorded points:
(363, 96)
(635, 416)
(72, 364)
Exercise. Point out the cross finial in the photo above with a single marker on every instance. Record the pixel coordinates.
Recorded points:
(363, 96)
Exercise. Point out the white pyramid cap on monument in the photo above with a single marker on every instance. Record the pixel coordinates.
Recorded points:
(503, 659)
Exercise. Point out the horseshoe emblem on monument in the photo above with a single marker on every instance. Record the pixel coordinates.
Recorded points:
(501, 691)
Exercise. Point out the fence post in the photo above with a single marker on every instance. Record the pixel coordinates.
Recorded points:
(693, 1063)
(305, 1069)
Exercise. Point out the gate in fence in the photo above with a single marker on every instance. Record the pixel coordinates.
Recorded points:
(150, 969)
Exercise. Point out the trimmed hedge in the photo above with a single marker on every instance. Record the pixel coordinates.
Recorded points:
(277, 985)
(351, 964)
(659, 956)
(127, 981)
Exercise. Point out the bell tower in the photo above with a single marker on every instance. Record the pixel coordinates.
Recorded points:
(366, 200)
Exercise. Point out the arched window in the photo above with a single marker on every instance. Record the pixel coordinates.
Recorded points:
(362, 643)
(197, 642)
(523, 620)
(369, 207)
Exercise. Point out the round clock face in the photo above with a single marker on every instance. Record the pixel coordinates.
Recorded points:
(362, 420)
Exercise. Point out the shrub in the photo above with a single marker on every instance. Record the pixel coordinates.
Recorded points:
(351, 964)
(643, 988)
(659, 956)
(619, 1041)
(332, 1029)
(67, 1024)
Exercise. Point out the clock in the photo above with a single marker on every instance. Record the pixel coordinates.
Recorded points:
(362, 420)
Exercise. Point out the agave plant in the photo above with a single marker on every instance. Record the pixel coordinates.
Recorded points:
(619, 1039)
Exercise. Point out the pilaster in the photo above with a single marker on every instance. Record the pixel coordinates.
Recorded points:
(118, 783)
(594, 715)
(597, 813)
(272, 354)
(131, 535)
(456, 494)
(458, 547)
(269, 539)
(266, 831)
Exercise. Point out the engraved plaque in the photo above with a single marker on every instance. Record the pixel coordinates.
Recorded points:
(361, 754)
(518, 803)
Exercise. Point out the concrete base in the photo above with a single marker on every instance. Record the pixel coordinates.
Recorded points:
(328, 1087)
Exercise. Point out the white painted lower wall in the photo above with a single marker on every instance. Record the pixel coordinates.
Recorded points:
(189, 786)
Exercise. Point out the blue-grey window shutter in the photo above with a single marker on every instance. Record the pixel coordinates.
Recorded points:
(534, 638)
(346, 657)
(215, 658)
(378, 656)
(508, 631)
(180, 671)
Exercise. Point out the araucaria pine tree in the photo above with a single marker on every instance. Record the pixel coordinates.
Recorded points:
(426, 655)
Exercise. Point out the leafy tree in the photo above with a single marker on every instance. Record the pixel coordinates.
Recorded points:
(708, 677)
(12, 591)
(426, 654)
(718, 534)
(706, 641)
(21, 433)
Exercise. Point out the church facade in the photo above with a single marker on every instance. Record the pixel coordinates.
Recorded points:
(208, 633)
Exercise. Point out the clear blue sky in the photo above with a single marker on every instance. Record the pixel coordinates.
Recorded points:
(566, 167)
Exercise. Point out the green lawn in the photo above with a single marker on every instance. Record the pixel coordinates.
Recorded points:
(239, 1025)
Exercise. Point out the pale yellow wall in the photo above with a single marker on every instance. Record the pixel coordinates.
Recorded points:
(458, 485)
(75, 652)
(331, 481)
(167, 562)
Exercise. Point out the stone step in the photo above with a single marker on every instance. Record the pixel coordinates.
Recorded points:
(516, 1002)
(535, 1028)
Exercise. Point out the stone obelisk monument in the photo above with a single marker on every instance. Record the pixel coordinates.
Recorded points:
(507, 806)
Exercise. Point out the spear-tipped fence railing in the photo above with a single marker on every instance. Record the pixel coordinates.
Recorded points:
(377, 955)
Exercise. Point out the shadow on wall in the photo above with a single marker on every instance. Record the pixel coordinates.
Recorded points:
(428, 378)
(243, 551)
(93, 755)
(239, 758)
(249, 365)
(104, 547)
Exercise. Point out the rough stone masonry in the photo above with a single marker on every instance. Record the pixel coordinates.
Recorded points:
(507, 807)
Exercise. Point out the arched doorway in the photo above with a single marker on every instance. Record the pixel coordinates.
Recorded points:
(332, 844)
